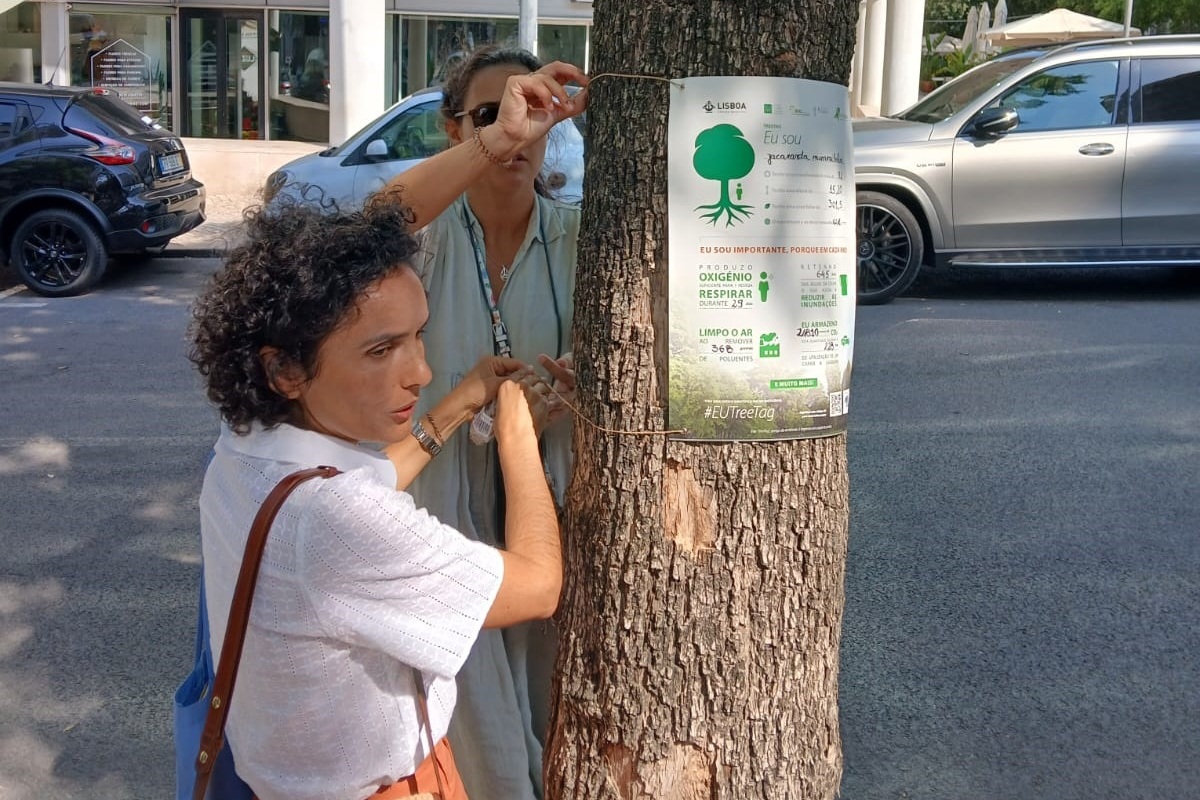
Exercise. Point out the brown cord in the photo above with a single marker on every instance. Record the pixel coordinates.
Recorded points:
(597, 425)
(593, 78)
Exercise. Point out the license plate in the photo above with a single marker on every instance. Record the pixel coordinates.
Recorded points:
(172, 162)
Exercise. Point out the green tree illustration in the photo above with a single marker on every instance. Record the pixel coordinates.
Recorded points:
(723, 154)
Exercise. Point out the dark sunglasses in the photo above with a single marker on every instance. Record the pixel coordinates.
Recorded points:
(481, 115)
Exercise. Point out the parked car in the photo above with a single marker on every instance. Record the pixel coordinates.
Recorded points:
(1084, 154)
(83, 175)
(405, 134)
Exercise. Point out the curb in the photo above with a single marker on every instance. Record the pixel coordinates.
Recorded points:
(192, 251)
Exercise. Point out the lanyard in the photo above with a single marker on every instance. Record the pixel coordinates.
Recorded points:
(499, 329)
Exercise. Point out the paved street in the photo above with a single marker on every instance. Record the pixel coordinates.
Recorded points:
(1022, 592)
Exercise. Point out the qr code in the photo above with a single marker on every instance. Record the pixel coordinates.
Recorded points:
(835, 404)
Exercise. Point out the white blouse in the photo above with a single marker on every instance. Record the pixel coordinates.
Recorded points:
(357, 585)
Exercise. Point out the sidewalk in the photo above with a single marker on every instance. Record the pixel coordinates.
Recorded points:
(221, 230)
(233, 173)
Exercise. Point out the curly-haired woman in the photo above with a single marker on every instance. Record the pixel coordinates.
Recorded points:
(499, 268)
(309, 341)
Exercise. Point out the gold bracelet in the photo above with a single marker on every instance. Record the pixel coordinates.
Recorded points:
(488, 154)
(435, 430)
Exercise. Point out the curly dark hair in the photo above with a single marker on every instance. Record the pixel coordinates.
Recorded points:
(454, 90)
(296, 278)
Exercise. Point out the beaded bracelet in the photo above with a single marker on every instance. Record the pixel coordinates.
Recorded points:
(488, 154)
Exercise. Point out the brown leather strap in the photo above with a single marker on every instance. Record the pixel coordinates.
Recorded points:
(423, 711)
(213, 737)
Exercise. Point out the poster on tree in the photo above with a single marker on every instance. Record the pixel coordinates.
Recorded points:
(762, 258)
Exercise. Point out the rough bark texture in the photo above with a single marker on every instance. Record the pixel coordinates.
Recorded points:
(702, 614)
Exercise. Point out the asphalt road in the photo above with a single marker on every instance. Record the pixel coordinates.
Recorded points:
(1022, 588)
(1023, 584)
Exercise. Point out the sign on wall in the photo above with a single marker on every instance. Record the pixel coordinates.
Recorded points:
(762, 258)
(127, 71)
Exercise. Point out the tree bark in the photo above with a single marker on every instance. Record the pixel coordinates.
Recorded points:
(702, 613)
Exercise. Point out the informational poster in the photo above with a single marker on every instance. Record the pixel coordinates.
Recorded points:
(127, 71)
(762, 258)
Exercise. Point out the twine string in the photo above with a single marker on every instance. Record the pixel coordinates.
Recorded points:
(596, 425)
(594, 78)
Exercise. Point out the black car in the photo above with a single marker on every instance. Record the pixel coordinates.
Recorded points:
(83, 175)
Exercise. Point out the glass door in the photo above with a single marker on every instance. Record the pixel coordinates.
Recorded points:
(222, 95)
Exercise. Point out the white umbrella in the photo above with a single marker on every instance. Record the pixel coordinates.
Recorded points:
(1059, 25)
(972, 27)
(980, 43)
(941, 43)
(1000, 15)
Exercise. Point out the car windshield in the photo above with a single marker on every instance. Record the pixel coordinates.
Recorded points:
(951, 96)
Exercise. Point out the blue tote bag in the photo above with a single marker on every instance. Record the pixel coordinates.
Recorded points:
(192, 699)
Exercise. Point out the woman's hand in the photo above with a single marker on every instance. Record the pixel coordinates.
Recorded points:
(538, 396)
(533, 103)
(562, 370)
(513, 417)
(479, 386)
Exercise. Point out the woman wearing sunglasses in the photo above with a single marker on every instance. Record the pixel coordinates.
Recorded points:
(500, 275)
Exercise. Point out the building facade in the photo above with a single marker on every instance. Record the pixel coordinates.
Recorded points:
(301, 70)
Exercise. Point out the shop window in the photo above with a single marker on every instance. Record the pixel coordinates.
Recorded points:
(430, 47)
(21, 44)
(299, 67)
(563, 43)
(128, 53)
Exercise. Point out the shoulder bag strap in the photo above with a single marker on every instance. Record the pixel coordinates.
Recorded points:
(213, 736)
(423, 712)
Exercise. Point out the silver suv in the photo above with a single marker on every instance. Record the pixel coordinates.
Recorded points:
(1077, 155)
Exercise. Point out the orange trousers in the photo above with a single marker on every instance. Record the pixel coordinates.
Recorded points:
(425, 780)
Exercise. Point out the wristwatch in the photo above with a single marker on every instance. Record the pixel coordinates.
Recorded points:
(427, 442)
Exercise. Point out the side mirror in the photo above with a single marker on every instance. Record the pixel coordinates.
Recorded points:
(376, 148)
(994, 122)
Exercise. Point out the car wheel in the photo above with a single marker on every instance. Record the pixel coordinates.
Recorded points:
(890, 247)
(57, 253)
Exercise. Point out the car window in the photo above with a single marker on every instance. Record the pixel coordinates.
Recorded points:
(111, 115)
(416, 132)
(950, 97)
(1068, 96)
(1170, 89)
(8, 120)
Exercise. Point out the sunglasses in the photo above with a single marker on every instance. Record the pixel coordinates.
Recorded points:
(481, 115)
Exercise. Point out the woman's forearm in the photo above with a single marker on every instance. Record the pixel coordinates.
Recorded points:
(409, 456)
(428, 188)
(533, 571)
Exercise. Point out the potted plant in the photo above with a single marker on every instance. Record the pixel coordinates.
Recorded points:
(933, 62)
(956, 62)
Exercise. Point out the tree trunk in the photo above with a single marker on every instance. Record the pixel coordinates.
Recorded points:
(702, 615)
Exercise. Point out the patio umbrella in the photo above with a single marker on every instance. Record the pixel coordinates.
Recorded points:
(1059, 25)
(941, 43)
(972, 27)
(980, 44)
(1000, 15)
